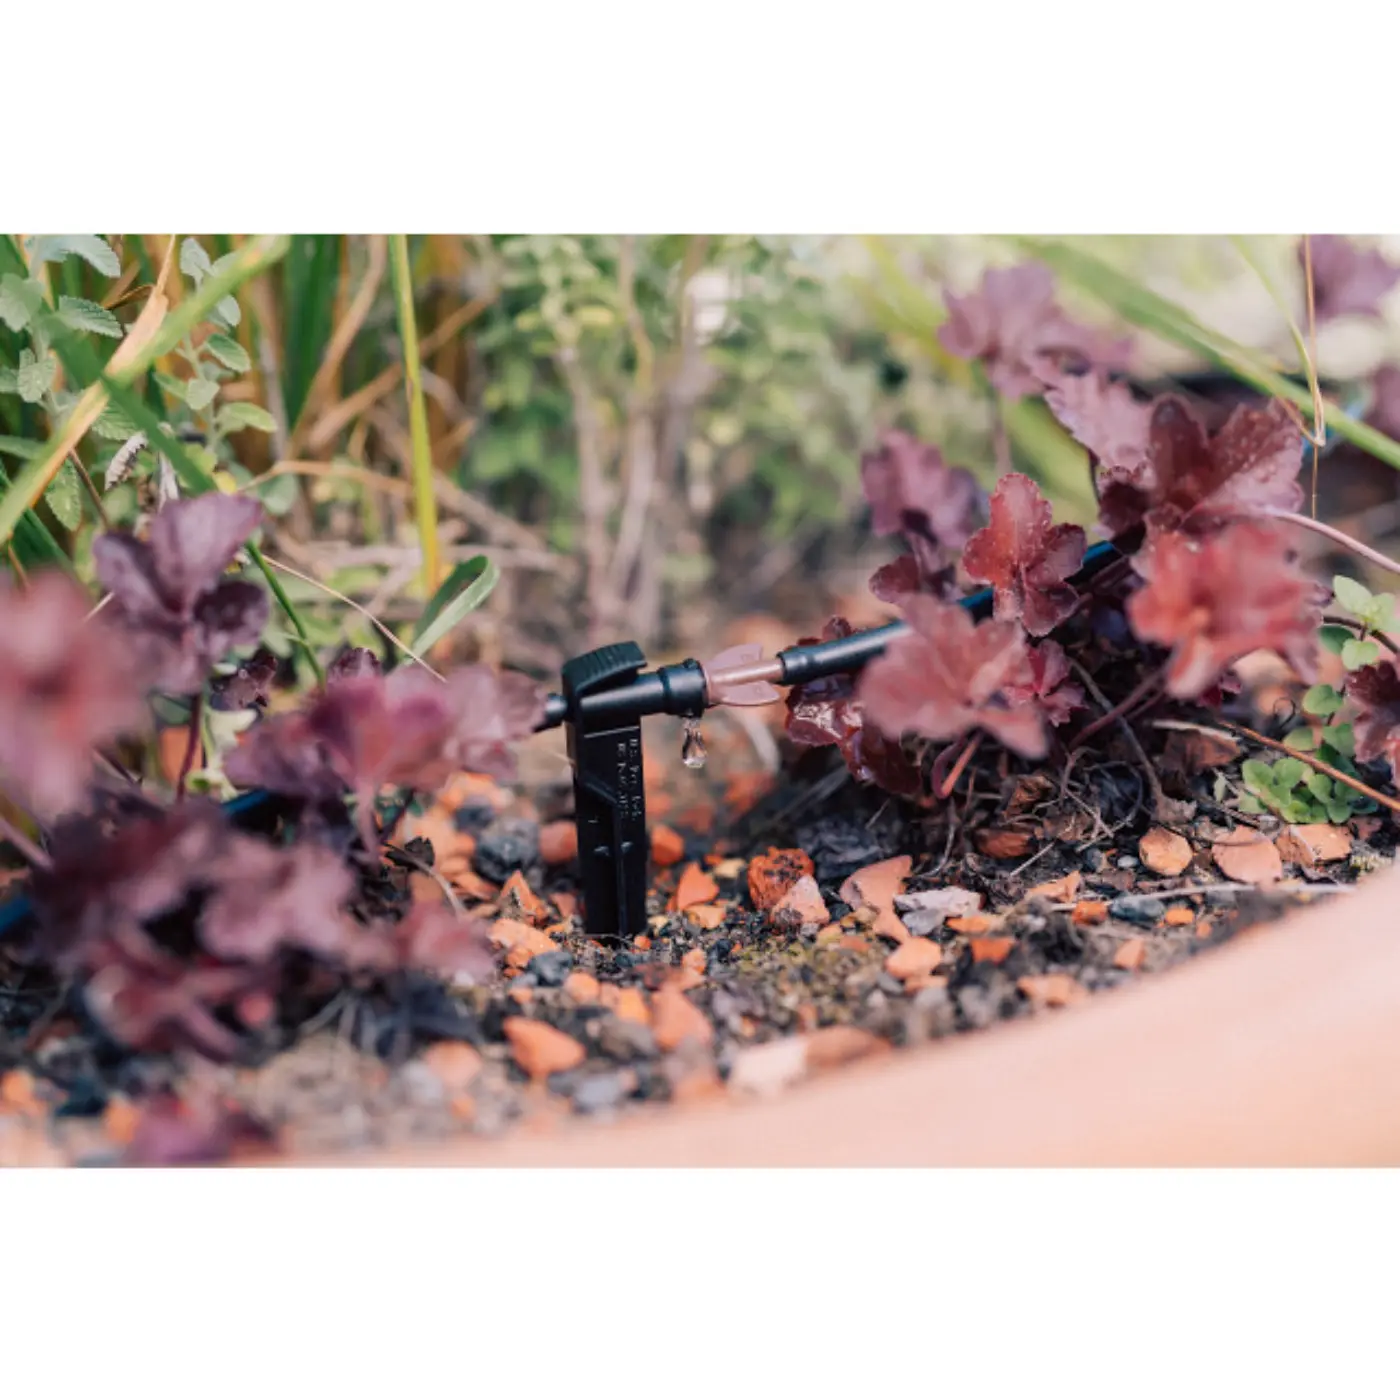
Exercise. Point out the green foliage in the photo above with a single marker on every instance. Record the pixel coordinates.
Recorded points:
(90, 247)
(1297, 793)
(742, 353)
(464, 590)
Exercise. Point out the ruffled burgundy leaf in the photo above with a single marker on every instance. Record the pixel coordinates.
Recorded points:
(949, 675)
(1013, 325)
(250, 685)
(353, 662)
(407, 729)
(267, 899)
(913, 492)
(1026, 557)
(433, 939)
(193, 541)
(1348, 280)
(895, 581)
(170, 594)
(1194, 481)
(1376, 692)
(1051, 690)
(826, 711)
(67, 687)
(1103, 416)
(1213, 600)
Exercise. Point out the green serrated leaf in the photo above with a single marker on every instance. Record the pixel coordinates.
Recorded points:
(1322, 700)
(235, 416)
(1341, 738)
(1353, 596)
(1304, 740)
(65, 497)
(1364, 806)
(229, 353)
(1257, 776)
(1357, 653)
(1334, 638)
(20, 298)
(1296, 810)
(1252, 804)
(22, 448)
(227, 313)
(172, 386)
(200, 393)
(35, 377)
(113, 425)
(1320, 785)
(1381, 613)
(1339, 813)
(79, 314)
(1288, 773)
(464, 590)
(92, 248)
(194, 261)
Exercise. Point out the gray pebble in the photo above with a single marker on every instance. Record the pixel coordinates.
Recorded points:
(550, 969)
(1138, 909)
(1127, 862)
(603, 1091)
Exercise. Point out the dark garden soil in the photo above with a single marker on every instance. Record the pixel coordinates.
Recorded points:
(797, 924)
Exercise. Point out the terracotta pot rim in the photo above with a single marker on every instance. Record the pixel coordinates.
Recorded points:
(1281, 1048)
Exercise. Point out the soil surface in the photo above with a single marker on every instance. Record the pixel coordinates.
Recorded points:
(797, 924)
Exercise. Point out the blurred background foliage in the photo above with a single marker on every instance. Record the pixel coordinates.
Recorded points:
(649, 435)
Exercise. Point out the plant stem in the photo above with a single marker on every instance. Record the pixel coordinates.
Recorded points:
(1365, 631)
(1319, 527)
(191, 746)
(285, 603)
(945, 788)
(424, 502)
(1115, 712)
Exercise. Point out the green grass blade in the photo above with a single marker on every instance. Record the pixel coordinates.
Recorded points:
(310, 273)
(424, 502)
(464, 590)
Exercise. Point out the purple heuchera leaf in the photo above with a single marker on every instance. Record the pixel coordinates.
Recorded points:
(170, 591)
(353, 662)
(267, 898)
(912, 492)
(67, 686)
(248, 687)
(1376, 692)
(949, 675)
(407, 728)
(1190, 480)
(1348, 280)
(1213, 600)
(1103, 416)
(825, 711)
(1051, 690)
(1012, 324)
(1026, 557)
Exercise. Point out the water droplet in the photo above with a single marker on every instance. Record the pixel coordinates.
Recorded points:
(693, 745)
